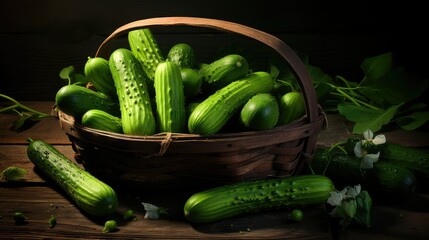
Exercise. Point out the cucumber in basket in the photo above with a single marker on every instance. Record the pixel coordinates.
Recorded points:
(252, 196)
(88, 193)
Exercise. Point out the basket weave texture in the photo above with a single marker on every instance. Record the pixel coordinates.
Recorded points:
(217, 158)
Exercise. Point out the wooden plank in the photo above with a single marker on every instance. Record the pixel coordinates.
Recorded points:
(47, 129)
(16, 155)
(38, 203)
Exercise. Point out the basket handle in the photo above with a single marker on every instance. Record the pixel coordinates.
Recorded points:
(275, 43)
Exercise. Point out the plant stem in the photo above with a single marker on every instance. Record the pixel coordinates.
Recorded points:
(21, 106)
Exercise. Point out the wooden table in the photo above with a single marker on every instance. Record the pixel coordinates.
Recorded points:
(38, 199)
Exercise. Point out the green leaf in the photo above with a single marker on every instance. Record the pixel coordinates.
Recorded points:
(13, 173)
(66, 72)
(377, 121)
(413, 121)
(377, 66)
(357, 113)
(79, 78)
(25, 121)
(274, 72)
(364, 205)
(318, 76)
(393, 88)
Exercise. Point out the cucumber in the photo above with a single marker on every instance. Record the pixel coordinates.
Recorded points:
(215, 111)
(101, 120)
(145, 47)
(252, 196)
(192, 82)
(223, 71)
(183, 55)
(292, 107)
(97, 72)
(76, 100)
(261, 112)
(134, 100)
(344, 168)
(88, 193)
(169, 98)
(414, 159)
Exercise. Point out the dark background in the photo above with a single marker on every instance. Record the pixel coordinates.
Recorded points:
(39, 38)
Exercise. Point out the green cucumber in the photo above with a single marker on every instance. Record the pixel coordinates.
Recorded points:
(412, 158)
(134, 100)
(192, 82)
(88, 192)
(97, 71)
(261, 112)
(76, 100)
(183, 55)
(169, 98)
(292, 107)
(252, 196)
(102, 120)
(145, 47)
(215, 111)
(223, 71)
(344, 168)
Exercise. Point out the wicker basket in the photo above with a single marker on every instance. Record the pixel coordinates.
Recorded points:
(219, 158)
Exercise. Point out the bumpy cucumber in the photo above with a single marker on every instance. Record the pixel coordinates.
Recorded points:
(170, 98)
(253, 196)
(145, 47)
(134, 100)
(183, 55)
(414, 159)
(215, 111)
(89, 193)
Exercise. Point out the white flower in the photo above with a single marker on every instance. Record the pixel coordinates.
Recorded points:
(353, 192)
(368, 135)
(360, 151)
(367, 159)
(336, 197)
(152, 211)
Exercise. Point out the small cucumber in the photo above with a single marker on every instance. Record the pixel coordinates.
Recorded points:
(292, 107)
(261, 112)
(89, 193)
(102, 120)
(192, 82)
(183, 55)
(97, 72)
(223, 71)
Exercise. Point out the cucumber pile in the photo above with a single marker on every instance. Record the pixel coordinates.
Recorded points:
(150, 93)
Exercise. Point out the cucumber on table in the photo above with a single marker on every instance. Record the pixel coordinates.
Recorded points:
(89, 193)
(344, 168)
(252, 196)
